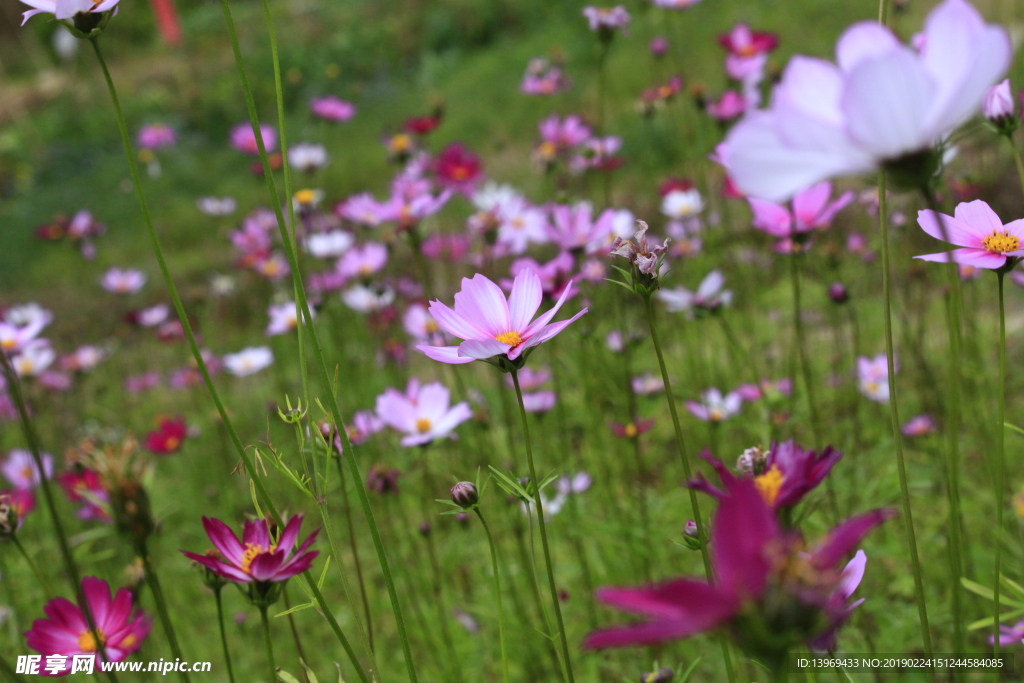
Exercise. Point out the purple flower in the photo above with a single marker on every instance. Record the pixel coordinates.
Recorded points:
(422, 413)
(257, 557)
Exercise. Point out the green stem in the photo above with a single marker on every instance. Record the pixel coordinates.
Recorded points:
(34, 567)
(953, 419)
(317, 349)
(1000, 458)
(198, 356)
(268, 643)
(684, 458)
(32, 439)
(805, 363)
(223, 635)
(295, 633)
(497, 595)
(161, 604)
(355, 551)
(908, 517)
(566, 663)
(1016, 160)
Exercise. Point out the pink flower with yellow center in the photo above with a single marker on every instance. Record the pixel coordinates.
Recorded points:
(493, 326)
(985, 242)
(258, 557)
(66, 631)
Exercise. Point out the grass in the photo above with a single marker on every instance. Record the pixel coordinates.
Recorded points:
(394, 64)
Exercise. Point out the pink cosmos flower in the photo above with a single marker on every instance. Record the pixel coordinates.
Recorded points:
(363, 260)
(520, 224)
(22, 502)
(283, 318)
(422, 413)
(66, 630)
(244, 141)
(811, 210)
(492, 325)
(123, 281)
(328, 244)
(873, 377)
(710, 296)
(606, 18)
(999, 104)
(63, 10)
(881, 102)
(562, 134)
(420, 325)
(539, 401)
(765, 388)
(248, 361)
(83, 486)
(156, 136)
(784, 476)
(543, 78)
(631, 430)
(20, 469)
(14, 338)
(674, 4)
(731, 105)
(974, 226)
(647, 384)
(136, 384)
(332, 108)
(919, 425)
(258, 557)
(765, 574)
(743, 42)
(714, 407)
(83, 359)
(573, 227)
(459, 169)
(530, 379)
(362, 209)
(34, 358)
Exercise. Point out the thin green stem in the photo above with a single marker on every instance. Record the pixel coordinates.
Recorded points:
(34, 567)
(563, 638)
(952, 427)
(805, 363)
(161, 604)
(1018, 162)
(684, 458)
(223, 635)
(908, 517)
(32, 439)
(317, 349)
(1000, 459)
(295, 632)
(267, 642)
(497, 595)
(201, 362)
(355, 552)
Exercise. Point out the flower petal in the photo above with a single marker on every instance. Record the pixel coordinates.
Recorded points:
(979, 258)
(482, 303)
(483, 349)
(956, 231)
(444, 354)
(845, 537)
(524, 300)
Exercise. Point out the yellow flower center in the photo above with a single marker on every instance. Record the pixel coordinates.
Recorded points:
(8, 343)
(172, 443)
(631, 430)
(423, 425)
(716, 414)
(87, 641)
(27, 472)
(769, 483)
(460, 173)
(510, 338)
(401, 143)
(430, 326)
(305, 196)
(1001, 241)
(547, 149)
(251, 551)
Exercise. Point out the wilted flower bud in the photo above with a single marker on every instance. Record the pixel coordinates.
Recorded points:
(663, 675)
(999, 108)
(838, 293)
(8, 518)
(465, 494)
(424, 529)
(751, 462)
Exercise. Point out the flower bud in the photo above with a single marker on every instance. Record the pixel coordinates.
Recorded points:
(658, 46)
(465, 494)
(837, 293)
(692, 536)
(999, 108)
(424, 529)
(663, 675)
(8, 518)
(691, 530)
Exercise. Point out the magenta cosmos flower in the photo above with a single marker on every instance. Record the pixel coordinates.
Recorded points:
(494, 328)
(783, 476)
(881, 102)
(243, 139)
(257, 557)
(66, 631)
(772, 592)
(985, 242)
(332, 108)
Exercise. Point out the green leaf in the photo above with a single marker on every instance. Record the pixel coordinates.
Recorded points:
(1014, 428)
(286, 677)
(987, 621)
(341, 679)
(323, 574)
(689, 670)
(297, 608)
(977, 588)
(309, 673)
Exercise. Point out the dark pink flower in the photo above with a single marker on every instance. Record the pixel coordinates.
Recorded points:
(66, 630)
(458, 169)
(743, 42)
(771, 592)
(258, 557)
